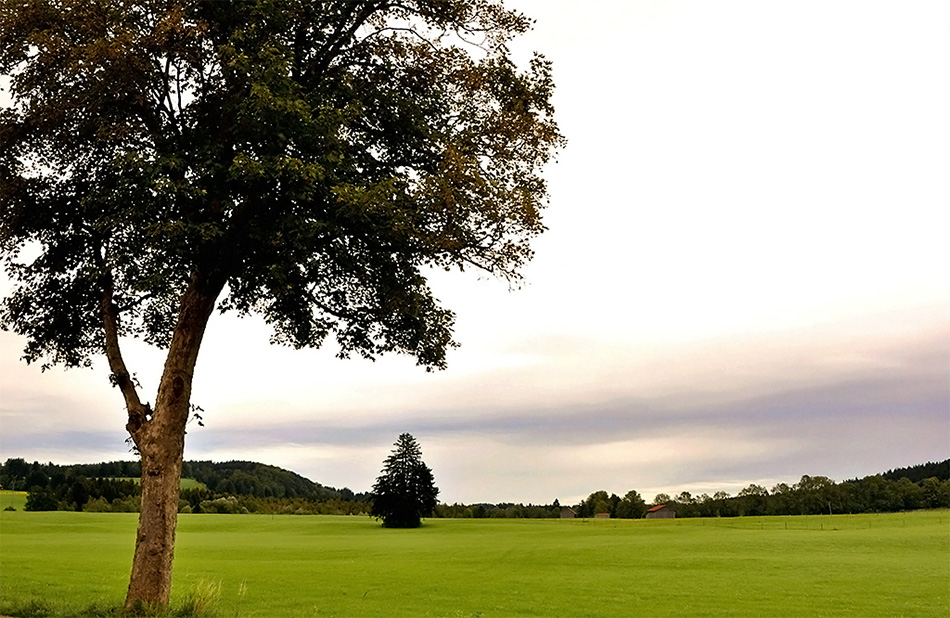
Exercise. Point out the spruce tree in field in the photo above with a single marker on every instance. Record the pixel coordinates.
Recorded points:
(405, 492)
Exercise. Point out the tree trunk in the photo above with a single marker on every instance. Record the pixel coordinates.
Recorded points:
(151, 579)
(160, 439)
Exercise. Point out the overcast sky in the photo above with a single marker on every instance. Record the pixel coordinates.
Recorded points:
(745, 279)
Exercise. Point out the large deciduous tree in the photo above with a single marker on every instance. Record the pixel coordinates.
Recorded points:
(632, 506)
(306, 161)
(405, 491)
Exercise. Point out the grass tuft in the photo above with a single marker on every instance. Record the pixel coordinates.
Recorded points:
(34, 607)
(31, 608)
(201, 601)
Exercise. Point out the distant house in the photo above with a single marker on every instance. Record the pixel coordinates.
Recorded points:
(602, 515)
(568, 513)
(660, 512)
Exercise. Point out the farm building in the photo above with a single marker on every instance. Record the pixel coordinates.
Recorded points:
(602, 516)
(568, 513)
(660, 512)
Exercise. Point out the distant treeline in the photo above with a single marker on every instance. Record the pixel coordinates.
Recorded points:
(504, 510)
(245, 478)
(249, 487)
(918, 487)
(939, 470)
(812, 495)
(233, 486)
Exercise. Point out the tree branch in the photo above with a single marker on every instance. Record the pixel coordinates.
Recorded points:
(342, 33)
(138, 412)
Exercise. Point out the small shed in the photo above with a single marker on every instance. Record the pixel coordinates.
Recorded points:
(602, 516)
(661, 511)
(568, 513)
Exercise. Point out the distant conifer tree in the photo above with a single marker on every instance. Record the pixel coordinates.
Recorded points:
(405, 491)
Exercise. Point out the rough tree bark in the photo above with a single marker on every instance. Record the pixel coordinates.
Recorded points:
(159, 435)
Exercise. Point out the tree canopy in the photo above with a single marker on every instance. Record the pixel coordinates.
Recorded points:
(405, 491)
(310, 159)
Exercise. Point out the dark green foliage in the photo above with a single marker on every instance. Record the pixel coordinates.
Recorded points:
(257, 488)
(597, 502)
(71, 492)
(503, 510)
(41, 499)
(818, 495)
(939, 470)
(405, 491)
(247, 478)
(315, 157)
(632, 506)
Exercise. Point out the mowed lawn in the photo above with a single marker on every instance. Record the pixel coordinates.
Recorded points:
(15, 499)
(867, 565)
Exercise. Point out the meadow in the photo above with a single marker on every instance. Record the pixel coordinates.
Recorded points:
(250, 565)
(182, 484)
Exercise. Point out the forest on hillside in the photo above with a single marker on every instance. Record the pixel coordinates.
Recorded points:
(250, 487)
(221, 487)
(939, 470)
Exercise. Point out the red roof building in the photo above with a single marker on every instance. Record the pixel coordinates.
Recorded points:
(660, 511)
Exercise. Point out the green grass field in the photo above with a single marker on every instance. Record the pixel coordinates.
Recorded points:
(183, 483)
(16, 499)
(864, 565)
